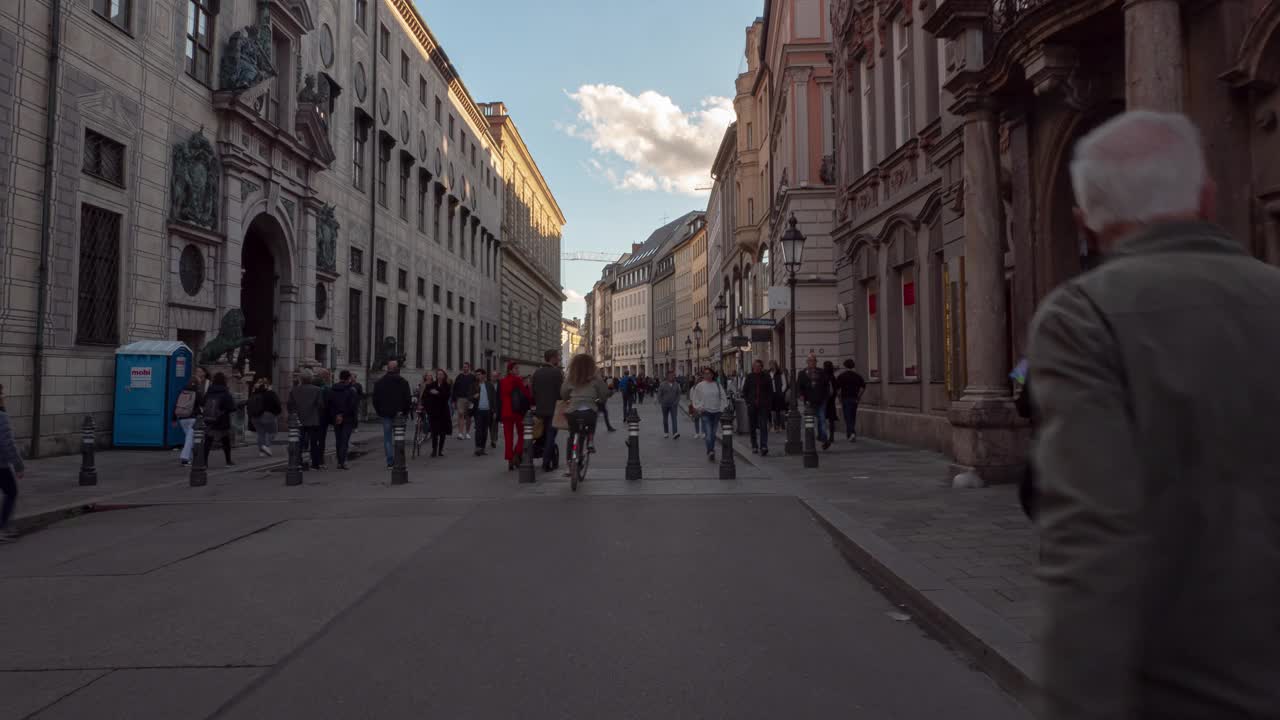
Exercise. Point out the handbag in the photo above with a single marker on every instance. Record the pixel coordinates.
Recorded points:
(561, 419)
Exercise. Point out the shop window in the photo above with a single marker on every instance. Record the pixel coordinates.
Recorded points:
(909, 323)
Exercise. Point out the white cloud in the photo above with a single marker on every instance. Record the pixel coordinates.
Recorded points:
(662, 146)
(573, 295)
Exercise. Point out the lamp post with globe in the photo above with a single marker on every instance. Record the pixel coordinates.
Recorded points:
(792, 256)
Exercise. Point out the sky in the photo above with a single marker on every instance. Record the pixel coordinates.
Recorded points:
(622, 104)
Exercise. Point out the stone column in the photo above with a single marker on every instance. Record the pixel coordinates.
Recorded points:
(1155, 66)
(984, 434)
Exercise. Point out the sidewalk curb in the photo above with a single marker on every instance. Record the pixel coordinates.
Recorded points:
(1002, 651)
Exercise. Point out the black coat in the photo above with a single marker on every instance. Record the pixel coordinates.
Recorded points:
(757, 390)
(219, 396)
(436, 405)
(264, 401)
(344, 401)
(392, 396)
(814, 387)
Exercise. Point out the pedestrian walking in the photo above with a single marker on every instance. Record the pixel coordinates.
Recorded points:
(604, 404)
(391, 397)
(669, 402)
(814, 387)
(516, 401)
(435, 402)
(757, 392)
(11, 471)
(829, 369)
(217, 407)
(483, 400)
(547, 381)
(464, 387)
(850, 385)
(344, 412)
(627, 384)
(307, 400)
(781, 386)
(185, 411)
(709, 401)
(264, 408)
(1155, 386)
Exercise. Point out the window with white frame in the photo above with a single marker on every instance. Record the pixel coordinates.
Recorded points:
(902, 87)
(909, 362)
(868, 137)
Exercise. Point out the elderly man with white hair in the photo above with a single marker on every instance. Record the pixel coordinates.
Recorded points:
(1157, 391)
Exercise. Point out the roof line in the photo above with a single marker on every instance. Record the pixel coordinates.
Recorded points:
(435, 52)
(506, 119)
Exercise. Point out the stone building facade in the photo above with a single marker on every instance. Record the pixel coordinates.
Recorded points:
(532, 225)
(955, 122)
(600, 307)
(317, 166)
(664, 310)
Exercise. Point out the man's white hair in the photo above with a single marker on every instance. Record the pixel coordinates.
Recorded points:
(1138, 167)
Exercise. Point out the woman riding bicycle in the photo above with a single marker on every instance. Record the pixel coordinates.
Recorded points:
(585, 391)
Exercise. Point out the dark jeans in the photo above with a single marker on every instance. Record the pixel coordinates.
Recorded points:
(850, 416)
(212, 438)
(548, 442)
(388, 438)
(710, 428)
(313, 438)
(342, 439)
(628, 400)
(670, 411)
(759, 418)
(820, 421)
(481, 427)
(9, 486)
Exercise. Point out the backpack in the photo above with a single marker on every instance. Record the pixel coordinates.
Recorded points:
(186, 407)
(519, 402)
(213, 411)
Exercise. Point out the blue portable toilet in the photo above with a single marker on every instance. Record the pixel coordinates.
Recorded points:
(149, 376)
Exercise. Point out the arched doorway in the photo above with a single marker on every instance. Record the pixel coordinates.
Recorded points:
(259, 289)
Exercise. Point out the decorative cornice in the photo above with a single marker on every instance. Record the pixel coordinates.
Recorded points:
(952, 17)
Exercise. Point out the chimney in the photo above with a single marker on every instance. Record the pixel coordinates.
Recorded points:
(635, 248)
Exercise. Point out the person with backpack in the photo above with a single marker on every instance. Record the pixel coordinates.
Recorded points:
(264, 408)
(185, 411)
(218, 405)
(515, 403)
(628, 387)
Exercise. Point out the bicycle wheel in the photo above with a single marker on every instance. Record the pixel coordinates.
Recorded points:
(574, 468)
(584, 459)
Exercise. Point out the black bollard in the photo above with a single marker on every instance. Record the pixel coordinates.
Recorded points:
(633, 445)
(527, 474)
(728, 468)
(399, 474)
(293, 474)
(88, 473)
(199, 476)
(810, 444)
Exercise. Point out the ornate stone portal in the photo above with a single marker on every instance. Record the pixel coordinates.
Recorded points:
(195, 184)
(327, 239)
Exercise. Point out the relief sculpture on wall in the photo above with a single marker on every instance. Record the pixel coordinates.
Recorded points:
(327, 239)
(195, 182)
(247, 58)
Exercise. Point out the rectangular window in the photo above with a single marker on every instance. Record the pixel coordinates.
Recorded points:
(418, 340)
(473, 154)
(435, 294)
(380, 270)
(909, 368)
(450, 127)
(103, 158)
(379, 321)
(353, 326)
(422, 91)
(115, 12)
(358, 147)
(868, 137)
(404, 67)
(422, 287)
(751, 141)
(384, 160)
(322, 354)
(873, 334)
(438, 107)
(448, 343)
(356, 263)
(402, 279)
(362, 11)
(435, 340)
(471, 343)
(449, 304)
(99, 288)
(199, 39)
(423, 197)
(406, 168)
(402, 328)
(902, 88)
(473, 308)
(384, 42)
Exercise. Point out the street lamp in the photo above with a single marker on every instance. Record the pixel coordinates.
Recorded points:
(792, 256)
(697, 339)
(721, 308)
(688, 356)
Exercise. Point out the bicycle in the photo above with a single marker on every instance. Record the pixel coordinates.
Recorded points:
(419, 433)
(582, 426)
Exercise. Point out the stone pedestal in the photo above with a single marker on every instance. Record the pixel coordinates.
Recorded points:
(1155, 64)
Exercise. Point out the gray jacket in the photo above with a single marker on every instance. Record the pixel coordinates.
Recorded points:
(1156, 391)
(668, 394)
(308, 401)
(9, 455)
(546, 390)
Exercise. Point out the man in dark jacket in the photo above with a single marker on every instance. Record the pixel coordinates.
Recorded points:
(391, 396)
(464, 387)
(850, 385)
(217, 407)
(757, 391)
(814, 387)
(344, 413)
(484, 404)
(1156, 393)
(546, 393)
(307, 400)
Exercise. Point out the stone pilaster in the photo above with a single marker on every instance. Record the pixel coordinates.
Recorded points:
(984, 422)
(1155, 65)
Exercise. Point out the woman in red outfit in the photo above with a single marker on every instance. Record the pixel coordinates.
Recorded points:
(512, 421)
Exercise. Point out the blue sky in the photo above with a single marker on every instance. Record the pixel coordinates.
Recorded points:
(616, 100)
